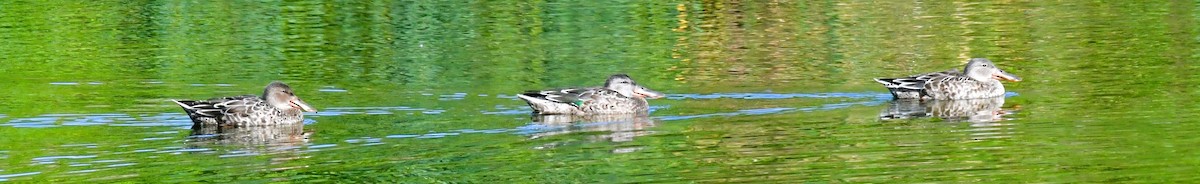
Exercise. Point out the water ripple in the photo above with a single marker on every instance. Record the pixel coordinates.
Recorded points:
(403, 136)
(455, 96)
(777, 95)
(765, 111)
(530, 129)
(86, 145)
(83, 171)
(332, 89)
(178, 119)
(7, 176)
(218, 84)
(51, 159)
(319, 146)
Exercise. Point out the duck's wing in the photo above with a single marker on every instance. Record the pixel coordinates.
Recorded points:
(950, 83)
(951, 78)
(928, 76)
(220, 106)
(573, 96)
(902, 83)
(915, 82)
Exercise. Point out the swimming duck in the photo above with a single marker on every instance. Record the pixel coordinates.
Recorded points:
(278, 106)
(979, 79)
(620, 95)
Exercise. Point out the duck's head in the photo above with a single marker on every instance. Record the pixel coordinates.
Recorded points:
(280, 96)
(624, 85)
(981, 69)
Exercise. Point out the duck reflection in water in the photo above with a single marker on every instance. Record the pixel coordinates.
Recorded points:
(620, 128)
(971, 110)
(281, 142)
(272, 137)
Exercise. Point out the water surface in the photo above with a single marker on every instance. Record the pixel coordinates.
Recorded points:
(422, 91)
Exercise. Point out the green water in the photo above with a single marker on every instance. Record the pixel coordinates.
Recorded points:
(422, 91)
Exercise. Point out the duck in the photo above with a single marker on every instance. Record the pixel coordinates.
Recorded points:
(278, 105)
(980, 78)
(619, 95)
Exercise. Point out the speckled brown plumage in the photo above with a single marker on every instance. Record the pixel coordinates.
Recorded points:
(277, 106)
(619, 95)
(978, 79)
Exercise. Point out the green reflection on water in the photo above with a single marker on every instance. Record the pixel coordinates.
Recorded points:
(1108, 97)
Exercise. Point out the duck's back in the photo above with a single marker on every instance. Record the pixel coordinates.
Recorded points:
(604, 101)
(954, 87)
(913, 87)
(245, 110)
(581, 101)
(555, 101)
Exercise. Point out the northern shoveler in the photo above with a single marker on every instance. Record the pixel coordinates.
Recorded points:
(979, 79)
(278, 106)
(620, 95)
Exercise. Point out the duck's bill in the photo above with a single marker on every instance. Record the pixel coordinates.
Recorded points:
(1001, 75)
(300, 104)
(647, 93)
